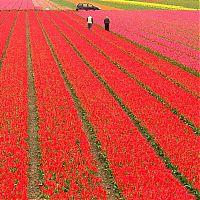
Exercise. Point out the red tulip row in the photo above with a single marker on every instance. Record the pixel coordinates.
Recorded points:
(168, 130)
(14, 114)
(186, 104)
(2, 15)
(5, 30)
(68, 166)
(186, 79)
(139, 172)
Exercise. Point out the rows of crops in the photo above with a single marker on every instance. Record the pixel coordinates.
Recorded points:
(88, 115)
(147, 4)
(29, 5)
(16, 4)
(174, 34)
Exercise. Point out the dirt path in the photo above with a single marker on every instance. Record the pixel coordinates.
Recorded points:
(59, 7)
(33, 185)
(49, 5)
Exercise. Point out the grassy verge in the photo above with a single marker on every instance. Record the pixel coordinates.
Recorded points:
(184, 3)
(129, 5)
(65, 3)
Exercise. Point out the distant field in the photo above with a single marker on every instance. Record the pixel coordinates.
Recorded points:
(80, 108)
(92, 114)
(65, 3)
(173, 34)
(140, 4)
(150, 4)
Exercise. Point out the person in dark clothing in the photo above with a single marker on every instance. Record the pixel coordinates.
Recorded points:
(107, 23)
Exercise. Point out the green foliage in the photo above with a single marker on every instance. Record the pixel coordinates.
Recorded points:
(126, 5)
(65, 3)
(13, 170)
(44, 196)
(41, 176)
(66, 185)
(53, 176)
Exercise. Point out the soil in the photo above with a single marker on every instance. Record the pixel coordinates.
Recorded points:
(33, 185)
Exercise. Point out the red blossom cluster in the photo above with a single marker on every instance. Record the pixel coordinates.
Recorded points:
(5, 28)
(14, 114)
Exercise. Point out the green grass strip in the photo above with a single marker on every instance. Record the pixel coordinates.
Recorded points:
(65, 3)
(182, 3)
(87, 125)
(143, 130)
(129, 5)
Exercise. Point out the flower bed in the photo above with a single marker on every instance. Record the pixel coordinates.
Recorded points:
(89, 115)
(173, 34)
(16, 5)
(14, 116)
(68, 166)
(114, 129)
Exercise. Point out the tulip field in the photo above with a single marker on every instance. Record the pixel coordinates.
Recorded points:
(16, 4)
(91, 114)
(170, 33)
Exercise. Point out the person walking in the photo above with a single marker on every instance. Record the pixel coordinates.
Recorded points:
(107, 23)
(89, 22)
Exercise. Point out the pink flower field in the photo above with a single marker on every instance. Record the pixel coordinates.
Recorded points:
(16, 4)
(174, 34)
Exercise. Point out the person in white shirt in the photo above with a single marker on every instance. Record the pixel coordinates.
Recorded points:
(89, 22)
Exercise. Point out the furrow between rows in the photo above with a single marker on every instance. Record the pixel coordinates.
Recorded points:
(35, 173)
